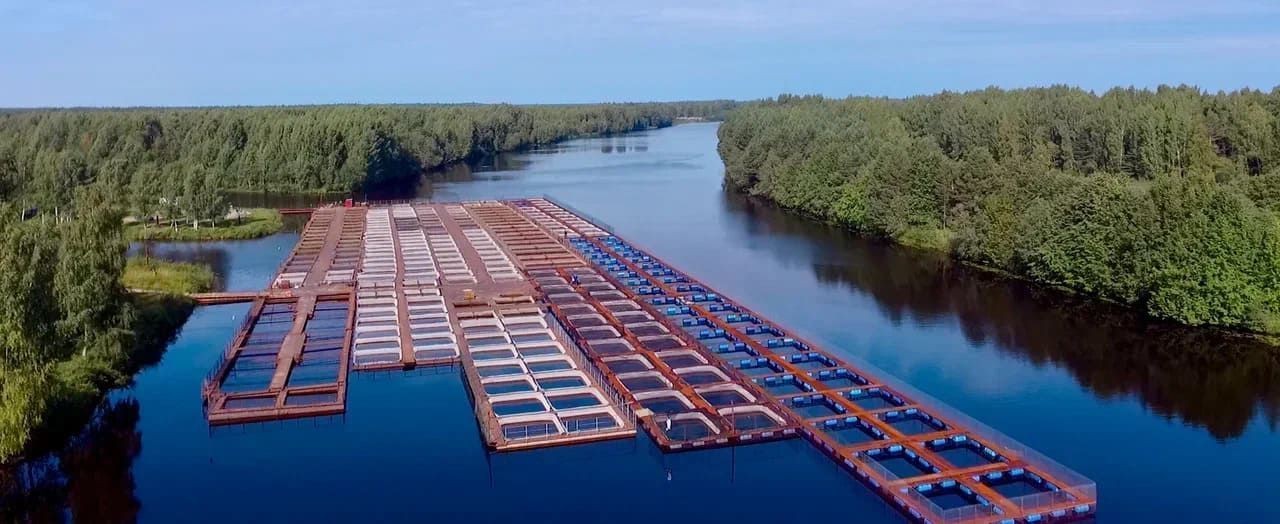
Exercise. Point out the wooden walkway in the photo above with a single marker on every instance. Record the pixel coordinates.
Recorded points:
(217, 298)
(484, 292)
(619, 329)
(502, 314)
(268, 375)
(225, 297)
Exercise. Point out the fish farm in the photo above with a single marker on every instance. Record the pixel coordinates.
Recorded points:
(566, 333)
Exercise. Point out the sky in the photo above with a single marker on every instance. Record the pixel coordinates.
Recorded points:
(268, 52)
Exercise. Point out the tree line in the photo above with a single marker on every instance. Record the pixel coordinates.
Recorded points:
(166, 160)
(69, 330)
(1165, 199)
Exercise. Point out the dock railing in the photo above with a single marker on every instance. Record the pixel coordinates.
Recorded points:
(1027, 504)
(484, 414)
(574, 349)
(585, 216)
(961, 514)
(969, 513)
(212, 378)
(622, 420)
(292, 252)
(1039, 463)
(1036, 501)
(530, 433)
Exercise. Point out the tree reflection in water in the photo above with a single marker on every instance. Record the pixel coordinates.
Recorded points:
(1208, 378)
(90, 480)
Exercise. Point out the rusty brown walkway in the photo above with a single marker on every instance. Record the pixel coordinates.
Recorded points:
(290, 357)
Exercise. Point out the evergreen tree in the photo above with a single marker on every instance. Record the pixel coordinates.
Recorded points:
(1162, 199)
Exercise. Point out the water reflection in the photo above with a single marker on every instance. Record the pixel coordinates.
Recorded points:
(90, 481)
(1207, 378)
(424, 187)
(485, 167)
(214, 256)
(238, 265)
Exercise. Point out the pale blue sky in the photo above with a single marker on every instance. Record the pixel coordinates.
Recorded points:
(232, 52)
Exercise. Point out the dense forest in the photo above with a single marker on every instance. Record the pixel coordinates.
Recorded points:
(161, 156)
(69, 329)
(1163, 199)
(66, 322)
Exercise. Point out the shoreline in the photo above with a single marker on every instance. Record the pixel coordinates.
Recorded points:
(1270, 339)
(261, 222)
(160, 317)
(160, 314)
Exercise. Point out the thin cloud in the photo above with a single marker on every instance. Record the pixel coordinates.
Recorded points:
(78, 52)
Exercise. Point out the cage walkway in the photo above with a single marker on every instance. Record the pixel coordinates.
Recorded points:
(290, 356)
(567, 333)
(932, 462)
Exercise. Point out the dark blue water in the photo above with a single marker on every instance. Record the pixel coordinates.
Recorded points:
(408, 450)
(1174, 424)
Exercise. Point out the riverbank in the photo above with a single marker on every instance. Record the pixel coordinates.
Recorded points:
(1192, 239)
(145, 274)
(936, 244)
(253, 223)
(1262, 328)
(72, 389)
(46, 403)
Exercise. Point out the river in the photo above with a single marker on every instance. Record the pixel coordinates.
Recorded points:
(1174, 424)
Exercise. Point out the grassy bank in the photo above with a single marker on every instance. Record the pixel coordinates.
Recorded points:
(258, 223)
(179, 278)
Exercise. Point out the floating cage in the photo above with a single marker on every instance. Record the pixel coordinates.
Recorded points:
(850, 431)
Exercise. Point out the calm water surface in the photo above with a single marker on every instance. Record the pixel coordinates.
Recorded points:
(1173, 424)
